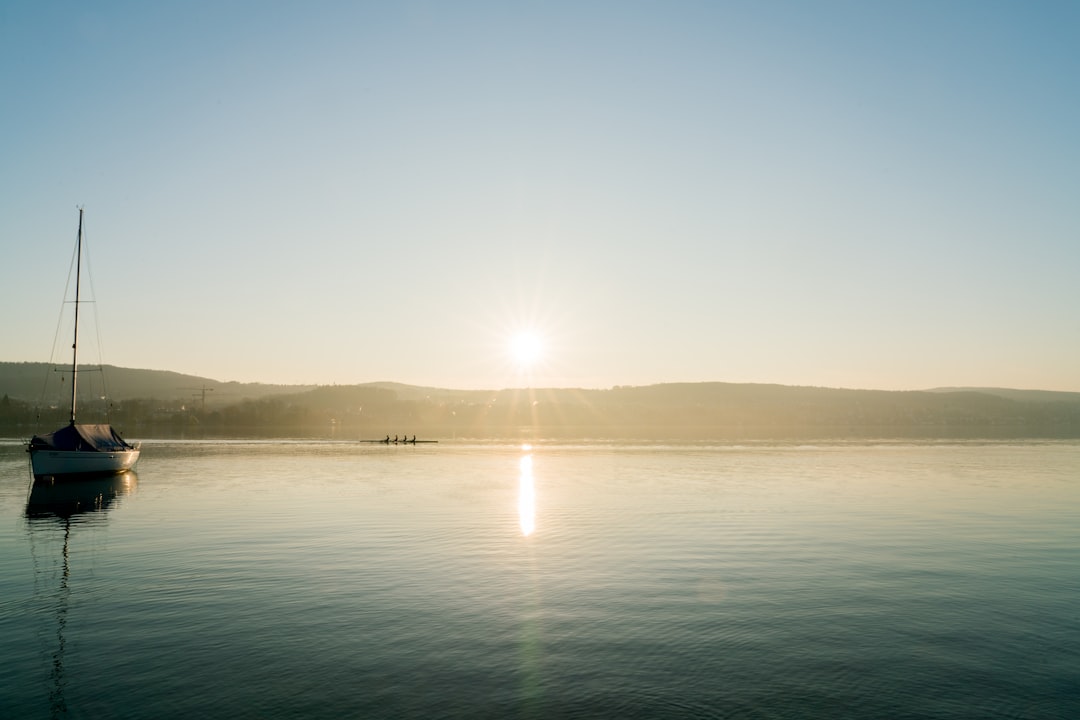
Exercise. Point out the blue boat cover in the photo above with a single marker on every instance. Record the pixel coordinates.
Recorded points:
(95, 438)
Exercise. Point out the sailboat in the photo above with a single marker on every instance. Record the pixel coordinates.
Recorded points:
(80, 449)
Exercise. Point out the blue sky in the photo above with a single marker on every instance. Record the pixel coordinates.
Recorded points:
(849, 194)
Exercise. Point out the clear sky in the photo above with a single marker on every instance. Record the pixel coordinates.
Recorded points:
(849, 194)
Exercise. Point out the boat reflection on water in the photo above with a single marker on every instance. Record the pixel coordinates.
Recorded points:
(526, 493)
(54, 508)
(63, 500)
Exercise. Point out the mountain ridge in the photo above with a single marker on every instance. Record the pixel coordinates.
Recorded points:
(22, 380)
(170, 402)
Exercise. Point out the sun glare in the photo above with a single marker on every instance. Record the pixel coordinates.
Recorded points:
(526, 349)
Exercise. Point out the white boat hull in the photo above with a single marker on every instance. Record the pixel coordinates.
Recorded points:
(81, 462)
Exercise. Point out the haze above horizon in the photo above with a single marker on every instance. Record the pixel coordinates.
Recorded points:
(476, 195)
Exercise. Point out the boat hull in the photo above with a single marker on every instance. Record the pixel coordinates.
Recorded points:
(81, 462)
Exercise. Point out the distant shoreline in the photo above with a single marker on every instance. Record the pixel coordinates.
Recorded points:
(146, 403)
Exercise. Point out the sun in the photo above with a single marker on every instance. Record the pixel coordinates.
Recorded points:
(526, 349)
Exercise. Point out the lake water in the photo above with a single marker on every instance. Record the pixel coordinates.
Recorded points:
(591, 580)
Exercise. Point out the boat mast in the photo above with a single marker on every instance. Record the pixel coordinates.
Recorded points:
(75, 341)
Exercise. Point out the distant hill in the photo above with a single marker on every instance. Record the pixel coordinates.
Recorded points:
(25, 381)
(1021, 395)
(165, 403)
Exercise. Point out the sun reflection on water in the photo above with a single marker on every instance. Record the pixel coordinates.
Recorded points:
(526, 493)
